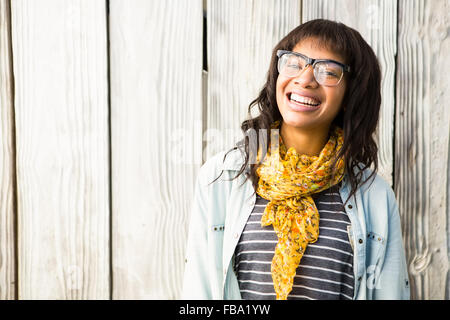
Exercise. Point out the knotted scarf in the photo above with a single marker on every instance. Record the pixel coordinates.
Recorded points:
(287, 179)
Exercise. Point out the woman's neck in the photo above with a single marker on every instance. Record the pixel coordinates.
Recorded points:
(304, 141)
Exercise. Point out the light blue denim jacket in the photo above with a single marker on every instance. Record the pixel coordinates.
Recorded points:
(220, 211)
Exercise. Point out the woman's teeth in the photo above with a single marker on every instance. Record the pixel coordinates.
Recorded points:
(303, 100)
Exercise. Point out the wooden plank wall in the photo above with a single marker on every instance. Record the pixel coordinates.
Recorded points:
(107, 115)
(7, 155)
(241, 36)
(156, 121)
(61, 121)
(422, 171)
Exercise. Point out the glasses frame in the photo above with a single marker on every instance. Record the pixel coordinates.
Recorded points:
(312, 63)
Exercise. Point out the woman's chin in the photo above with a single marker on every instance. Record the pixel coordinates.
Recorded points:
(297, 121)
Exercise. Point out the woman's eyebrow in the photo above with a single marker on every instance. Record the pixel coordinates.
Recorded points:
(333, 60)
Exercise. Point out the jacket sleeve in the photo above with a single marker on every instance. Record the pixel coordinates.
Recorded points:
(195, 280)
(393, 281)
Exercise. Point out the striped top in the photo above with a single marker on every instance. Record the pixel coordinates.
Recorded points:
(326, 269)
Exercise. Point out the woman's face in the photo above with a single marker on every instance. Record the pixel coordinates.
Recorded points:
(329, 98)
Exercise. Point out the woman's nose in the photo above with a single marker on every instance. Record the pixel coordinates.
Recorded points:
(306, 77)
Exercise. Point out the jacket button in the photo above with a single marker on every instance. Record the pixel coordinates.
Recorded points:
(360, 241)
(350, 206)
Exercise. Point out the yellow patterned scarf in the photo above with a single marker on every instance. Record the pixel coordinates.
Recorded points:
(287, 180)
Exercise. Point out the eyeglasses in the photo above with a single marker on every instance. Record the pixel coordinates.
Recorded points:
(326, 72)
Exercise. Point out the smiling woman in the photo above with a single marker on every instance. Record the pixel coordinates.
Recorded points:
(295, 226)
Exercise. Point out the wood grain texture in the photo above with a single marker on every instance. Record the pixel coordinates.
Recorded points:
(422, 143)
(241, 37)
(156, 119)
(7, 160)
(54, 126)
(61, 101)
(376, 21)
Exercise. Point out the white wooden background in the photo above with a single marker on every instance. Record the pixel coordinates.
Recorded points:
(107, 115)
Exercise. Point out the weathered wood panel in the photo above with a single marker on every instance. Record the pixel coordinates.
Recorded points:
(60, 65)
(156, 119)
(422, 171)
(61, 108)
(376, 21)
(241, 36)
(7, 160)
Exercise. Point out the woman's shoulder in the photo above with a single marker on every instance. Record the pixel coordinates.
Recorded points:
(378, 195)
(374, 183)
(225, 160)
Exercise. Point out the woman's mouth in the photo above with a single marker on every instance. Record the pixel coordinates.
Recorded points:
(302, 103)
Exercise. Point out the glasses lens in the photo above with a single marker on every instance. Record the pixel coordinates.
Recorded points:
(328, 73)
(290, 65)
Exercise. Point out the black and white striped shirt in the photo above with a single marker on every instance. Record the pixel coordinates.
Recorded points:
(326, 269)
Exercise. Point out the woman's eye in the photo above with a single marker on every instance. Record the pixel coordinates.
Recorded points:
(329, 74)
(296, 66)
